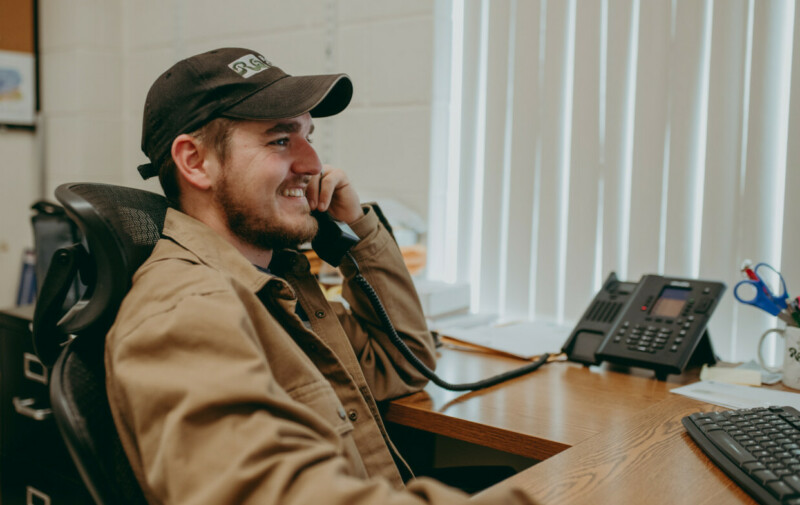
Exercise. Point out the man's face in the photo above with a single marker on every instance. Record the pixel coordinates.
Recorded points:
(262, 186)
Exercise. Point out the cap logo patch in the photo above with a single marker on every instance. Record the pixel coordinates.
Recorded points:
(249, 65)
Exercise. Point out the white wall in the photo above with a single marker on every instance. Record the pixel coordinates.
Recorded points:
(99, 57)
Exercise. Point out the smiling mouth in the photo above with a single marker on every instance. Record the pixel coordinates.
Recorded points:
(294, 192)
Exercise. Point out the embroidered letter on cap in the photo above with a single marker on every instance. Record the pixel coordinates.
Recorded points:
(250, 65)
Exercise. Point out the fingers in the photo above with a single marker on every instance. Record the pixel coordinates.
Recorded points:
(312, 190)
(336, 195)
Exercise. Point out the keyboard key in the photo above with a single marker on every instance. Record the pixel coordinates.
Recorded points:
(793, 481)
(765, 476)
(731, 447)
(753, 466)
(780, 489)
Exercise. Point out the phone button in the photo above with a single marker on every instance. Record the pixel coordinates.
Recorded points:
(703, 306)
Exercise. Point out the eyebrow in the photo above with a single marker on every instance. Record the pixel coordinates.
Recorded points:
(287, 127)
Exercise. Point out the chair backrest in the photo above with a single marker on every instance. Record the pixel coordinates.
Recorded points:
(120, 227)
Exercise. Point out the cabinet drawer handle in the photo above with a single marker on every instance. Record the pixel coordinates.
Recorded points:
(23, 406)
(34, 369)
(31, 493)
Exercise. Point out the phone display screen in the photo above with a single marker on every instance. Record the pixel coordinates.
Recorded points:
(670, 303)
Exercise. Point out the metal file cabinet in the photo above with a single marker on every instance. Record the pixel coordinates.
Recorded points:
(35, 467)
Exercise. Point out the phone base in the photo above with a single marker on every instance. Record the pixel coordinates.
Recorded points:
(702, 354)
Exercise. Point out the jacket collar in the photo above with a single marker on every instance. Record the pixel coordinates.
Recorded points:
(212, 249)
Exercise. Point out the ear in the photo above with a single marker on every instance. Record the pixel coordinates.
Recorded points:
(191, 160)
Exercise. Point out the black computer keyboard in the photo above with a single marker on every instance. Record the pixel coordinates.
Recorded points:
(758, 448)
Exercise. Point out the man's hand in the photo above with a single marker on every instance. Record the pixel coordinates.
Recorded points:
(332, 192)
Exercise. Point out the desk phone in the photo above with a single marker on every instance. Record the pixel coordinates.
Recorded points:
(658, 323)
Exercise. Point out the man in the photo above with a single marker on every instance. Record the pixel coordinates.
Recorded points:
(231, 379)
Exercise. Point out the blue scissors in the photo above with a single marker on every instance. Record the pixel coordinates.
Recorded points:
(758, 293)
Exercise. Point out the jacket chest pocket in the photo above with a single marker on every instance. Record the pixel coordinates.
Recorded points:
(320, 397)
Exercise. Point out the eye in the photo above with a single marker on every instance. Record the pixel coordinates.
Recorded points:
(283, 142)
(309, 139)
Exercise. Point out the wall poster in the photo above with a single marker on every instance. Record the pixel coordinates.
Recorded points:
(17, 88)
(18, 68)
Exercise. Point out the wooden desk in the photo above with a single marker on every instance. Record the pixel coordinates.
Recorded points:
(606, 436)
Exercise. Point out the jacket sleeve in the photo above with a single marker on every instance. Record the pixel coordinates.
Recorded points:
(205, 422)
(379, 260)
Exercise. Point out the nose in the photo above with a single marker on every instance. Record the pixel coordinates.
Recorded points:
(306, 160)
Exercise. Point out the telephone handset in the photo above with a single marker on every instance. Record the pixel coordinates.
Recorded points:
(333, 240)
(332, 244)
(658, 323)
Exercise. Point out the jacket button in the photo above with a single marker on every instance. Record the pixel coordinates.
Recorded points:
(341, 413)
(320, 314)
(353, 415)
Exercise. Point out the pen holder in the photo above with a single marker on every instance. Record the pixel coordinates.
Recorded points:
(791, 355)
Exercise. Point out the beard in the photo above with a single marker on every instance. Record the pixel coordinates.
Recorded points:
(263, 231)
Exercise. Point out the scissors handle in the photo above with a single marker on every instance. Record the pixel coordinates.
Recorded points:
(760, 298)
(781, 298)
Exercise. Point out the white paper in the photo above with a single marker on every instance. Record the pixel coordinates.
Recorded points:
(524, 339)
(738, 397)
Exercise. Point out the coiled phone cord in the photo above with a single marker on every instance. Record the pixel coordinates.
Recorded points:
(417, 363)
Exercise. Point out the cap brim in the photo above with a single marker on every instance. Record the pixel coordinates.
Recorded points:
(292, 96)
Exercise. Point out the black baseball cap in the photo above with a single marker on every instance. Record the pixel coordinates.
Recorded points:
(230, 82)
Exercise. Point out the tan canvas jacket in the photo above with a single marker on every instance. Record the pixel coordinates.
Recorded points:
(222, 395)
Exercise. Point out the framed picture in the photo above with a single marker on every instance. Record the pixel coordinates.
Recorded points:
(17, 88)
(19, 91)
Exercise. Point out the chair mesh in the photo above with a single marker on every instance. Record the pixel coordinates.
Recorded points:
(139, 214)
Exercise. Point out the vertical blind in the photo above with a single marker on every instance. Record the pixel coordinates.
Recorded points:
(572, 139)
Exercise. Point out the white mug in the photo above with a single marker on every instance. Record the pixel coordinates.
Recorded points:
(791, 355)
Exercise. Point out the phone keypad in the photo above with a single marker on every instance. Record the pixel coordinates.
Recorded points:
(646, 338)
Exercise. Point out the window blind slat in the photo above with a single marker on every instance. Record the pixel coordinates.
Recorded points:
(494, 160)
(469, 233)
(584, 176)
(616, 166)
(524, 134)
(650, 134)
(548, 254)
(443, 197)
(718, 247)
(790, 264)
(687, 118)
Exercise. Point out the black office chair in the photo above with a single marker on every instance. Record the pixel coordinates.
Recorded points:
(120, 226)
